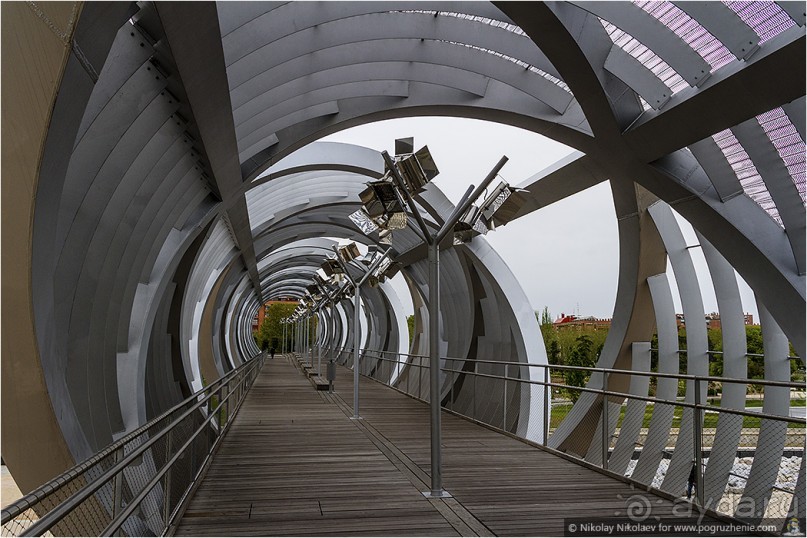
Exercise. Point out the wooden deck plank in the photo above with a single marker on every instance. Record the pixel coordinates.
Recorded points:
(294, 463)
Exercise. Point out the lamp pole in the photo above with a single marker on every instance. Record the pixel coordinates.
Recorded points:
(356, 320)
(433, 242)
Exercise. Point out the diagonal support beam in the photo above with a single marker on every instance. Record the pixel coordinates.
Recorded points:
(194, 37)
(773, 76)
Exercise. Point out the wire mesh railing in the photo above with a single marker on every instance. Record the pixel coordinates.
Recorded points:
(137, 485)
(734, 446)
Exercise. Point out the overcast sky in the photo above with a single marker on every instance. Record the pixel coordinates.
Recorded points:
(566, 255)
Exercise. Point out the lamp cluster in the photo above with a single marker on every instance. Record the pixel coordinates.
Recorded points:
(332, 283)
(383, 202)
(499, 207)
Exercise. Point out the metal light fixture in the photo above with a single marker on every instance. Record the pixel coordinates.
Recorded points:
(331, 267)
(469, 225)
(348, 252)
(383, 203)
(503, 204)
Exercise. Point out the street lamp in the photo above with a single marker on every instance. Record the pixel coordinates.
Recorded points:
(382, 211)
(345, 255)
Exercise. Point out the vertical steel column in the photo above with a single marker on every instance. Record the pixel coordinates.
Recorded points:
(356, 342)
(434, 370)
(308, 338)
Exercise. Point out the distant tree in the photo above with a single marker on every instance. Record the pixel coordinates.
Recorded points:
(582, 355)
(410, 322)
(553, 352)
(546, 317)
(270, 333)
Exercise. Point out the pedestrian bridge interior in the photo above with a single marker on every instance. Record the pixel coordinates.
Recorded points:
(163, 178)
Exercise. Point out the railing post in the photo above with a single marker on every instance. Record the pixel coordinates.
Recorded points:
(167, 488)
(504, 400)
(453, 381)
(698, 431)
(474, 393)
(547, 403)
(117, 486)
(224, 393)
(605, 432)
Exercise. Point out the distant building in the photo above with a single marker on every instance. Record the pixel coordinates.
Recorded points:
(572, 322)
(712, 320)
(261, 314)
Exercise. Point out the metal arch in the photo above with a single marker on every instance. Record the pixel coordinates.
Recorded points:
(732, 323)
(697, 341)
(661, 420)
(743, 233)
(372, 26)
(693, 194)
(772, 433)
(215, 255)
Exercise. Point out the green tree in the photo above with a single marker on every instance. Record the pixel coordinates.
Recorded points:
(410, 322)
(270, 333)
(581, 355)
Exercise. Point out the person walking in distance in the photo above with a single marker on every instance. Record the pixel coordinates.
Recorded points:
(272, 353)
(691, 481)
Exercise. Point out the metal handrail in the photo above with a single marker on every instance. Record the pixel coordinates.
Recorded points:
(649, 399)
(685, 377)
(198, 400)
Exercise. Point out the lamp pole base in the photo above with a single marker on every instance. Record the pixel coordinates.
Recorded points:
(439, 494)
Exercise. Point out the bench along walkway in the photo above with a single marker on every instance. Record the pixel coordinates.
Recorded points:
(294, 463)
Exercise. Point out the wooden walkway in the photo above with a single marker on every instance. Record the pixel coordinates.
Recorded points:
(294, 463)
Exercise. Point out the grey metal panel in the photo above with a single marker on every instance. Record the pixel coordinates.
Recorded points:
(732, 323)
(795, 10)
(724, 24)
(125, 57)
(634, 411)
(328, 108)
(655, 36)
(795, 112)
(467, 65)
(263, 42)
(717, 167)
(667, 389)
(100, 140)
(772, 433)
(394, 74)
(780, 185)
(633, 73)
(697, 341)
